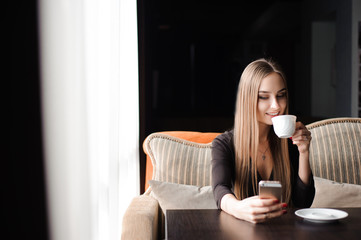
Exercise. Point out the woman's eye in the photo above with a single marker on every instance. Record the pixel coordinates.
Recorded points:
(262, 97)
(281, 95)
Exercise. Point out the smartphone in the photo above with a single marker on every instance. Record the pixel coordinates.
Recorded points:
(270, 189)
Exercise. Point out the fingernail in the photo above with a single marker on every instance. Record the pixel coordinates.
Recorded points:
(291, 138)
(284, 205)
(276, 201)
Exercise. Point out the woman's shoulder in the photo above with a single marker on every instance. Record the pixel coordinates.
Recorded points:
(224, 138)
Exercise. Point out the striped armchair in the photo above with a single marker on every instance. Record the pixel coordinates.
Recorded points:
(183, 158)
(335, 151)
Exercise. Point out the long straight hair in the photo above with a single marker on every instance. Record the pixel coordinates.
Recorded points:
(246, 133)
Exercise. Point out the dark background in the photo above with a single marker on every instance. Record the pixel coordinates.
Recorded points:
(191, 55)
(193, 52)
(24, 200)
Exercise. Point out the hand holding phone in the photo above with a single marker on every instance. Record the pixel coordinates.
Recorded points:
(270, 189)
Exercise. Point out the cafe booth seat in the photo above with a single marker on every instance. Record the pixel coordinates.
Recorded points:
(178, 174)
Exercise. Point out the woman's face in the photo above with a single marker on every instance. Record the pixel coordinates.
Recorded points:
(272, 98)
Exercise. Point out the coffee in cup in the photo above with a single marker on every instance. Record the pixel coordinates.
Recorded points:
(284, 125)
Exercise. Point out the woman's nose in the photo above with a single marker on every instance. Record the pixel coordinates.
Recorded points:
(275, 104)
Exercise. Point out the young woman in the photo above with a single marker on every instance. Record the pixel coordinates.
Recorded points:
(252, 152)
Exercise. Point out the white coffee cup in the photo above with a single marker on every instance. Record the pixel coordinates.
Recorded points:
(284, 125)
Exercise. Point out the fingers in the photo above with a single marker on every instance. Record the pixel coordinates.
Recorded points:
(301, 135)
(267, 208)
(263, 202)
(274, 214)
(301, 130)
(262, 217)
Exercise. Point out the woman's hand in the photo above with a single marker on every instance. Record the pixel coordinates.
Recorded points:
(302, 138)
(253, 209)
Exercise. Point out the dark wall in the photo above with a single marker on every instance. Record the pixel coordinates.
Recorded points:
(25, 204)
(192, 54)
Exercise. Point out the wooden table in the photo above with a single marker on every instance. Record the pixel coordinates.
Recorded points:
(216, 224)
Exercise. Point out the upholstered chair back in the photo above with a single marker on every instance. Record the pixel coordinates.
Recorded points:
(182, 157)
(335, 151)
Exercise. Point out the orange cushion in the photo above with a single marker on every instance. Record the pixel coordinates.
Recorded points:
(198, 137)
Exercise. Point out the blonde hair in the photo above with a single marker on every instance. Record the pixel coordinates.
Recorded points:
(246, 133)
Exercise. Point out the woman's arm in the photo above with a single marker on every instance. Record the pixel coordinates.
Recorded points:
(222, 166)
(302, 138)
(303, 189)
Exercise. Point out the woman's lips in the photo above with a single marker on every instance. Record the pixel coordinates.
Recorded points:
(272, 115)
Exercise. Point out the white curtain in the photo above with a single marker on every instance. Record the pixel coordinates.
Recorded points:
(89, 71)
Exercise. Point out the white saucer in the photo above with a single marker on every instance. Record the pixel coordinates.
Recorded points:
(321, 215)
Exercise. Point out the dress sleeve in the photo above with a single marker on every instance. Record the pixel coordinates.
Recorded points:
(222, 166)
(302, 194)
